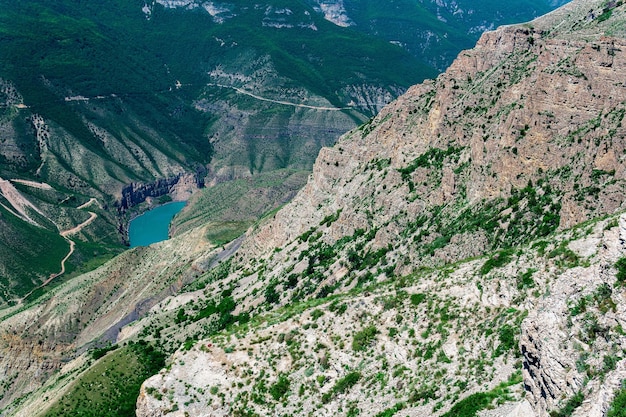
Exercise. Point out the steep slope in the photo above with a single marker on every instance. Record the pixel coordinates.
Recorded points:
(434, 342)
(449, 256)
(94, 98)
(520, 137)
(45, 332)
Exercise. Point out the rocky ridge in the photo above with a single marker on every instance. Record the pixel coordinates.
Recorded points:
(417, 345)
(519, 138)
(439, 254)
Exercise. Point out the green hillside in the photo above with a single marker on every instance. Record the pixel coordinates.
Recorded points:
(95, 96)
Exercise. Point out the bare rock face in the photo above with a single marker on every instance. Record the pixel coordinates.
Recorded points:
(567, 338)
(531, 107)
(520, 139)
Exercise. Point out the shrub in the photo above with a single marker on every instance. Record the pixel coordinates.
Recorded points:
(280, 388)
(468, 407)
(100, 352)
(618, 405)
(496, 261)
(620, 265)
(347, 382)
(569, 407)
(416, 299)
(364, 338)
(506, 336)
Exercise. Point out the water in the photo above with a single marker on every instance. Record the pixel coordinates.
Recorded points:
(153, 225)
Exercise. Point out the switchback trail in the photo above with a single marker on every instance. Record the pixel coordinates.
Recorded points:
(65, 234)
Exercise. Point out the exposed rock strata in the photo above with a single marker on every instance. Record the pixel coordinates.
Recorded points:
(532, 114)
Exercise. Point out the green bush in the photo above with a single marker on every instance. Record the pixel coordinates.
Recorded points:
(620, 265)
(468, 407)
(569, 407)
(342, 385)
(100, 352)
(364, 338)
(618, 405)
(347, 382)
(280, 388)
(416, 299)
(498, 260)
(506, 336)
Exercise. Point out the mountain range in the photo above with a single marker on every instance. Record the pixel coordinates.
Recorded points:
(462, 253)
(138, 100)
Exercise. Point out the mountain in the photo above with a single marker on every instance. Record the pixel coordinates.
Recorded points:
(460, 254)
(431, 30)
(112, 104)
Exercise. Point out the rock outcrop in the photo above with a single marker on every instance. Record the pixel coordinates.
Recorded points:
(519, 139)
(458, 251)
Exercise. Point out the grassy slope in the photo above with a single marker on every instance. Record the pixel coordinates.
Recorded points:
(230, 208)
(110, 387)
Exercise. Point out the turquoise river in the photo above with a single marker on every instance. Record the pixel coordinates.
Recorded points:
(153, 225)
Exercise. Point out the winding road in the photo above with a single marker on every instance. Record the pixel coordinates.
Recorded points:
(286, 103)
(65, 233)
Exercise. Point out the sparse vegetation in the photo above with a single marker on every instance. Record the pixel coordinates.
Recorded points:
(568, 408)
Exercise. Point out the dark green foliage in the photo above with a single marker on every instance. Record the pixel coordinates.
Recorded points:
(592, 328)
(620, 265)
(602, 297)
(469, 406)
(338, 308)
(306, 235)
(606, 15)
(569, 407)
(316, 314)
(564, 256)
(222, 309)
(498, 260)
(100, 352)
(424, 392)
(364, 338)
(280, 388)
(181, 316)
(342, 385)
(433, 158)
(579, 307)
(417, 299)
(360, 262)
(271, 296)
(347, 382)
(618, 405)
(525, 280)
(331, 218)
(507, 337)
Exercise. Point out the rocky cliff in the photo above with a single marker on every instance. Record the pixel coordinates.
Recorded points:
(519, 139)
(460, 254)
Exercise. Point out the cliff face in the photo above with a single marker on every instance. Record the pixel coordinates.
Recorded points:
(450, 252)
(521, 138)
(526, 106)
(180, 187)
